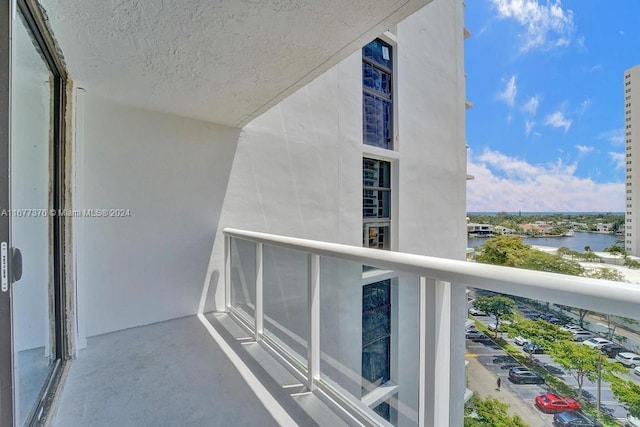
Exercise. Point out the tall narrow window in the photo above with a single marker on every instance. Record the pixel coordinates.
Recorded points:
(376, 203)
(377, 100)
(376, 339)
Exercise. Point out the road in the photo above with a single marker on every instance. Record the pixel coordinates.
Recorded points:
(485, 352)
(482, 374)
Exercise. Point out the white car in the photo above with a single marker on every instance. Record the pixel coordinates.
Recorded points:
(582, 335)
(630, 360)
(596, 342)
(521, 340)
(571, 328)
(492, 326)
(636, 370)
(475, 312)
(632, 421)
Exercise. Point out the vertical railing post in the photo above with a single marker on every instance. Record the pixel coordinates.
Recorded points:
(259, 314)
(313, 321)
(227, 273)
(435, 352)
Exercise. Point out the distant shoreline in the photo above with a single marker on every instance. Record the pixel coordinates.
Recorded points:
(545, 213)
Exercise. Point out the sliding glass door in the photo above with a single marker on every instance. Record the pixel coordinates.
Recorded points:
(31, 249)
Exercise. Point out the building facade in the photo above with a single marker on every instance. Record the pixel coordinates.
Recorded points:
(632, 159)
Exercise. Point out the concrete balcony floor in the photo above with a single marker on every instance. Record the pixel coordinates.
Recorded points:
(174, 373)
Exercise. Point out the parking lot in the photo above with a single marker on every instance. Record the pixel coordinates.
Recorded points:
(494, 360)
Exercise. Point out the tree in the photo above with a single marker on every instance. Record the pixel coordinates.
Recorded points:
(581, 361)
(587, 249)
(489, 412)
(616, 249)
(512, 252)
(538, 332)
(598, 273)
(626, 393)
(537, 260)
(499, 306)
(613, 321)
(582, 313)
(605, 273)
(631, 263)
(502, 250)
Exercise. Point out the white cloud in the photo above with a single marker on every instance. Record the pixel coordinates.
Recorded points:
(583, 149)
(614, 136)
(617, 159)
(597, 67)
(531, 106)
(584, 105)
(557, 120)
(508, 95)
(528, 127)
(545, 25)
(504, 183)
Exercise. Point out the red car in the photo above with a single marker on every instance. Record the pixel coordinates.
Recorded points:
(551, 403)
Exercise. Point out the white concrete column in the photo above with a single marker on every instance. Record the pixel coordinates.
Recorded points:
(313, 321)
(435, 352)
(259, 314)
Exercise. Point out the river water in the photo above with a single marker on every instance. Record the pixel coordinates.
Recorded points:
(596, 241)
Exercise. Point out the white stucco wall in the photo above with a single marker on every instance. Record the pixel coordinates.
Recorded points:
(296, 170)
(171, 173)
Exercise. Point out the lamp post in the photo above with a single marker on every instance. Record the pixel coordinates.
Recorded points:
(599, 384)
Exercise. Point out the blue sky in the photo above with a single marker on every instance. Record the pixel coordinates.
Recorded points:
(546, 82)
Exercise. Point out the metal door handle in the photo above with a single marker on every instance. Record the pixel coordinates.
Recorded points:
(16, 264)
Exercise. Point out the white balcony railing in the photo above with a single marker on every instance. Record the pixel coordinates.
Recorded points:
(275, 284)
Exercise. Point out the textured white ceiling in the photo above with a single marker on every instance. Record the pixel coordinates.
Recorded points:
(225, 61)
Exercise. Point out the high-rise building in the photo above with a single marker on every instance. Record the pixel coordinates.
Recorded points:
(631, 130)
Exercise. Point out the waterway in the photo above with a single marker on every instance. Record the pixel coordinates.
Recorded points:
(596, 241)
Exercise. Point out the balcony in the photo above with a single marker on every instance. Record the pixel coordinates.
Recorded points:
(289, 348)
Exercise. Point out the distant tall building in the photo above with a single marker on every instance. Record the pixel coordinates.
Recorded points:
(632, 158)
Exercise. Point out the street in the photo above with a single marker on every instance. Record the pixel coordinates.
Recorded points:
(493, 360)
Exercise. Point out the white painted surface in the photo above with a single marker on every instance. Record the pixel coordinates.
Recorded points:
(225, 62)
(171, 173)
(295, 170)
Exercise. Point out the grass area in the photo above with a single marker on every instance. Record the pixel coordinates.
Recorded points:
(551, 380)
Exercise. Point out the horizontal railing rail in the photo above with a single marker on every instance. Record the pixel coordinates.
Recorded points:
(622, 299)
(437, 276)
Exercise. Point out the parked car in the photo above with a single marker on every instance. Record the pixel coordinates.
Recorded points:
(474, 334)
(552, 403)
(492, 326)
(636, 370)
(596, 342)
(611, 350)
(524, 376)
(571, 328)
(582, 335)
(630, 360)
(475, 312)
(469, 324)
(548, 317)
(521, 340)
(574, 419)
(532, 348)
(632, 421)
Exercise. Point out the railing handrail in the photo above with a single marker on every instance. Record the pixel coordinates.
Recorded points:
(606, 296)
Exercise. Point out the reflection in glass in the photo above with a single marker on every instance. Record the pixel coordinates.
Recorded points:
(31, 83)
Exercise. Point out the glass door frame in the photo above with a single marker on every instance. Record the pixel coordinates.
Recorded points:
(59, 323)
